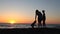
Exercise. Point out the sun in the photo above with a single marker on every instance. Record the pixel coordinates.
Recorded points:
(12, 21)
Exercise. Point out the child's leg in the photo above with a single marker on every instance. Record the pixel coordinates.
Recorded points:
(44, 23)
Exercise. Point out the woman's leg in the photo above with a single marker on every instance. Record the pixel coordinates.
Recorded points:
(39, 23)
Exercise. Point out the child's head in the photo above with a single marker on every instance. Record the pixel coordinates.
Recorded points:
(43, 11)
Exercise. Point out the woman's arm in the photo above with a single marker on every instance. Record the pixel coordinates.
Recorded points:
(35, 16)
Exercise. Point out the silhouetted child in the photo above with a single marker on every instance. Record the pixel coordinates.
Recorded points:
(33, 24)
(44, 17)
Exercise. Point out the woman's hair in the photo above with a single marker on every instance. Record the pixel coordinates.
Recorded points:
(37, 11)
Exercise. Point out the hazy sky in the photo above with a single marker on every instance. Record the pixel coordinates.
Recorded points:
(23, 11)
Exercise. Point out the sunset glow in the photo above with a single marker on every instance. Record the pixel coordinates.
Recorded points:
(12, 21)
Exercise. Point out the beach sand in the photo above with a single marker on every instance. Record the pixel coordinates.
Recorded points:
(31, 31)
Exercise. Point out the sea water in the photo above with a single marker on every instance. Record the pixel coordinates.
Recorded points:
(3, 26)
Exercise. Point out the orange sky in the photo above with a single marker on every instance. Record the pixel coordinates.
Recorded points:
(27, 20)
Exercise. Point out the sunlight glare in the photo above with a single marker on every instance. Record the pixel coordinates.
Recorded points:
(12, 21)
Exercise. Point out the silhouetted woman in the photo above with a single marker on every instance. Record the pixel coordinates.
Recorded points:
(43, 17)
(39, 14)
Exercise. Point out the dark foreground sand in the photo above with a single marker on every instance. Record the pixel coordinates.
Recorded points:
(31, 31)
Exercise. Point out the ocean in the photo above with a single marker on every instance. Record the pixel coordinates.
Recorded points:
(5, 26)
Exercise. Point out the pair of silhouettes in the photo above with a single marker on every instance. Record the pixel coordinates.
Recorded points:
(41, 17)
